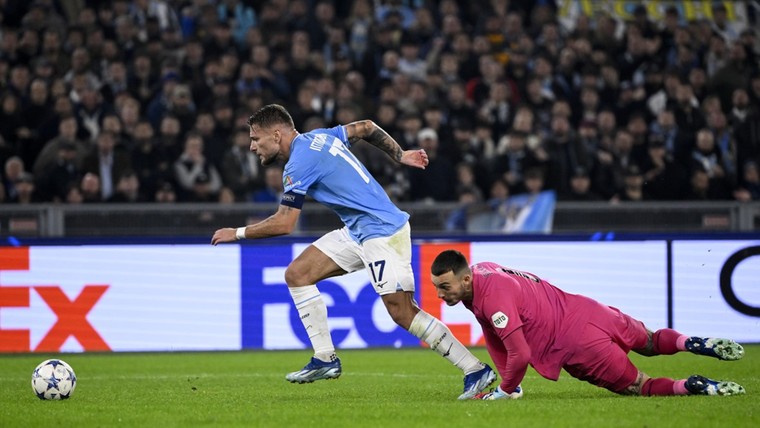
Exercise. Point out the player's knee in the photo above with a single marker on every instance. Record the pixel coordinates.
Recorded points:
(296, 276)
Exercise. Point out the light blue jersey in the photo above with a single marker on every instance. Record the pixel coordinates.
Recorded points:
(321, 166)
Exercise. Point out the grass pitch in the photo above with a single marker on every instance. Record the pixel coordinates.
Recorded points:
(379, 388)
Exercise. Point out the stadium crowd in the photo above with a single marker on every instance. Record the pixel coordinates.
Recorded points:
(146, 100)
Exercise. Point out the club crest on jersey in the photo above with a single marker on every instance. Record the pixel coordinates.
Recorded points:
(499, 320)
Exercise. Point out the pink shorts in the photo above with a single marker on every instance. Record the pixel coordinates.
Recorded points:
(601, 356)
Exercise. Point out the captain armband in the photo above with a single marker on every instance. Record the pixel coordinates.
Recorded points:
(292, 199)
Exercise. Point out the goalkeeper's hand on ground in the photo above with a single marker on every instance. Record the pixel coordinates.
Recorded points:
(499, 394)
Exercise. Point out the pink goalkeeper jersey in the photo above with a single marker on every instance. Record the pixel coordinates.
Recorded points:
(552, 321)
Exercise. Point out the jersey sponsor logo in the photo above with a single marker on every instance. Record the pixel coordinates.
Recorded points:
(499, 320)
(288, 197)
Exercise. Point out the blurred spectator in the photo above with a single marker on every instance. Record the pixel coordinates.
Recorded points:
(241, 17)
(664, 178)
(632, 189)
(89, 112)
(359, 26)
(112, 123)
(142, 11)
(459, 109)
(468, 199)
(37, 110)
(567, 153)
(53, 181)
(197, 178)
(129, 111)
(513, 158)
(89, 189)
(115, 81)
(721, 25)
(142, 78)
(740, 106)
(749, 184)
(127, 189)
(664, 128)
(174, 99)
(108, 162)
(12, 171)
(241, 169)
(466, 183)
(149, 165)
(437, 182)
(411, 62)
(733, 75)
(170, 143)
(12, 129)
(705, 188)
(273, 187)
(25, 190)
(67, 134)
(535, 180)
(580, 187)
(165, 193)
(496, 108)
(707, 157)
(214, 146)
(512, 65)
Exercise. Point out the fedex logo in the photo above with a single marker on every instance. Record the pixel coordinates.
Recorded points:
(357, 316)
(119, 298)
(71, 313)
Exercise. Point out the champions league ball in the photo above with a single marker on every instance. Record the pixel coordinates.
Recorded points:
(53, 380)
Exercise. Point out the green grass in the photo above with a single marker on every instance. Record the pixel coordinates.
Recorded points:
(380, 388)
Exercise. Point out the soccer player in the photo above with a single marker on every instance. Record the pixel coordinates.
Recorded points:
(376, 236)
(526, 320)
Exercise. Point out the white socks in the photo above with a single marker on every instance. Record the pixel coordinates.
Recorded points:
(313, 312)
(435, 333)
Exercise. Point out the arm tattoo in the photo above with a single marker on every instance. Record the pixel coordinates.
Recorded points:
(384, 142)
(377, 137)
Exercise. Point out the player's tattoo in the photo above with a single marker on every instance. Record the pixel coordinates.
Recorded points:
(366, 130)
(648, 349)
(384, 142)
(635, 387)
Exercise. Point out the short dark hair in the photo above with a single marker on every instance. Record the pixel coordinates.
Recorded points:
(449, 261)
(270, 115)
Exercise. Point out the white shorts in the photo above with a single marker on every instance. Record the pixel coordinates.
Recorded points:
(387, 260)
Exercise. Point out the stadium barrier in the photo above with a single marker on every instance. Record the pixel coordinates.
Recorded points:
(119, 295)
(116, 220)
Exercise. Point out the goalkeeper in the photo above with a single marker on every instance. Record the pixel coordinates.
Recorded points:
(526, 320)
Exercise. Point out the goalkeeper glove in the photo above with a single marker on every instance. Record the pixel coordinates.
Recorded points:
(499, 394)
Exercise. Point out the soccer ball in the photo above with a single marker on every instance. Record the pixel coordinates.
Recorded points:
(53, 380)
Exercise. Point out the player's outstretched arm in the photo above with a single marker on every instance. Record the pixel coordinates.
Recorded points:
(372, 133)
(283, 222)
